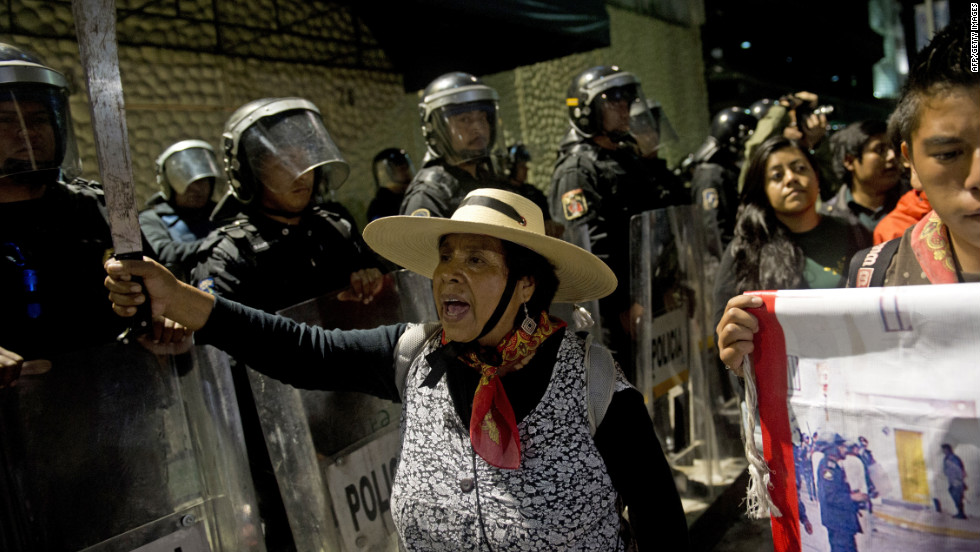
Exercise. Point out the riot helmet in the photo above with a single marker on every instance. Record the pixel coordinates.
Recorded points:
(393, 168)
(184, 163)
(35, 117)
(650, 127)
(759, 108)
(732, 126)
(273, 142)
(459, 118)
(517, 154)
(600, 101)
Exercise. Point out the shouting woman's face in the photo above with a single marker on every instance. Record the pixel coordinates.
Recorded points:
(467, 285)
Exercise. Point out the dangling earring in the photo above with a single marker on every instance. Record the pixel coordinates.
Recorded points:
(528, 325)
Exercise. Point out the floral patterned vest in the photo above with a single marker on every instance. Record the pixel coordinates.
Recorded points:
(445, 497)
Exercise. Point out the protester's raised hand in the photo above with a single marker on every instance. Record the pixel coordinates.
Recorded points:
(168, 296)
(125, 294)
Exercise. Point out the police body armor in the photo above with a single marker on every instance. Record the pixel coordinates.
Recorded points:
(438, 188)
(714, 187)
(284, 264)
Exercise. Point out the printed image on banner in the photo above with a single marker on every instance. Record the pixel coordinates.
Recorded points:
(883, 398)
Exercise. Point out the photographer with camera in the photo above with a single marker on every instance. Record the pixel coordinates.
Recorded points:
(801, 118)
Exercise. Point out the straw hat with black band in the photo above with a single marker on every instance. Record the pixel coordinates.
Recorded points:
(413, 242)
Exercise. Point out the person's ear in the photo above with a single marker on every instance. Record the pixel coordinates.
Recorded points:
(914, 176)
(849, 161)
(527, 288)
(906, 151)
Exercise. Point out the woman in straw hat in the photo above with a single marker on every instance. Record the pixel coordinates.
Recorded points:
(497, 446)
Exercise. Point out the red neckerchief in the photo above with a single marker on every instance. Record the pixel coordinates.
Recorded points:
(930, 244)
(493, 426)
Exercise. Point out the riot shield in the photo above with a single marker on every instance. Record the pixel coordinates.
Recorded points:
(334, 453)
(113, 448)
(671, 281)
(584, 316)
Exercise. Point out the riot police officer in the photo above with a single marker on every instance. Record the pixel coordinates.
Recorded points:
(393, 171)
(515, 169)
(280, 249)
(459, 125)
(714, 174)
(838, 503)
(54, 234)
(178, 217)
(600, 180)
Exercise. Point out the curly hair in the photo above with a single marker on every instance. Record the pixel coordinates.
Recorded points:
(766, 257)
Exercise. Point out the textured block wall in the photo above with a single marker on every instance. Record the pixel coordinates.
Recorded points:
(175, 95)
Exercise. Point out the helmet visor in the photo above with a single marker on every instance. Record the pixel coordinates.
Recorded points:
(282, 148)
(613, 108)
(185, 167)
(395, 171)
(35, 131)
(651, 129)
(465, 132)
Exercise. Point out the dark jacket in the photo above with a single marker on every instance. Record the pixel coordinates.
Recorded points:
(174, 234)
(51, 254)
(270, 265)
(439, 187)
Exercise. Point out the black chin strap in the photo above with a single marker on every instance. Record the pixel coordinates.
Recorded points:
(501, 306)
(441, 358)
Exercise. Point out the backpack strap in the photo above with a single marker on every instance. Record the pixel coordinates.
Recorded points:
(408, 347)
(868, 267)
(600, 381)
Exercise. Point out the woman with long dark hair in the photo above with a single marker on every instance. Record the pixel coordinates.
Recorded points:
(780, 242)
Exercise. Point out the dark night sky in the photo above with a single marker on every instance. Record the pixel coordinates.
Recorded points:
(824, 47)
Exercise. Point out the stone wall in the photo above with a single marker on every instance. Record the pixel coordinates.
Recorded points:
(174, 95)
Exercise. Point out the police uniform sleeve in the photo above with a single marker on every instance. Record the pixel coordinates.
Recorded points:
(363, 256)
(708, 191)
(221, 270)
(177, 256)
(427, 195)
(306, 357)
(154, 229)
(641, 475)
(573, 199)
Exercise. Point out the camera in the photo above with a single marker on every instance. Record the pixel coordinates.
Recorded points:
(804, 111)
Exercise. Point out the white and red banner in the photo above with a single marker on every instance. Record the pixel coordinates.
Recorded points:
(869, 403)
